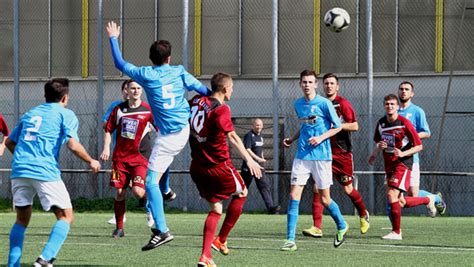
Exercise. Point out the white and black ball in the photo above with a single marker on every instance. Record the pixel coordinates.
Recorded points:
(337, 19)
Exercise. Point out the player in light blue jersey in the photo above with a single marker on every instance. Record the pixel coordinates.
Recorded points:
(417, 117)
(165, 86)
(318, 122)
(35, 143)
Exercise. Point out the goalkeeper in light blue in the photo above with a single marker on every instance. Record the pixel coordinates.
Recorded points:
(35, 143)
(318, 122)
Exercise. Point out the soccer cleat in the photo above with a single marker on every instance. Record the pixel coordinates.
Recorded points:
(217, 245)
(118, 233)
(340, 236)
(289, 246)
(149, 219)
(170, 196)
(113, 221)
(364, 223)
(274, 210)
(313, 231)
(40, 262)
(431, 206)
(157, 239)
(206, 262)
(393, 236)
(441, 207)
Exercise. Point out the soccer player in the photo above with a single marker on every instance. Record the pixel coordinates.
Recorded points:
(5, 132)
(164, 86)
(35, 143)
(211, 168)
(318, 123)
(133, 122)
(342, 165)
(417, 117)
(399, 141)
(253, 142)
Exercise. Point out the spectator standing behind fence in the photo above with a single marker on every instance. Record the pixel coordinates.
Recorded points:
(399, 141)
(165, 86)
(342, 163)
(416, 115)
(35, 143)
(253, 142)
(318, 122)
(5, 132)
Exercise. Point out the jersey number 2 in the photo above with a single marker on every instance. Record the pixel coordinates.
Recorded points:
(36, 120)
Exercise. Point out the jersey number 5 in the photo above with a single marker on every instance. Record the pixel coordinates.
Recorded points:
(197, 119)
(36, 120)
(167, 94)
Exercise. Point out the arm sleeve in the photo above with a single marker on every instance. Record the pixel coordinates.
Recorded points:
(70, 126)
(348, 113)
(112, 121)
(191, 83)
(223, 120)
(423, 123)
(116, 53)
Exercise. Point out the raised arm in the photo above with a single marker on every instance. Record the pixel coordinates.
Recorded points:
(113, 31)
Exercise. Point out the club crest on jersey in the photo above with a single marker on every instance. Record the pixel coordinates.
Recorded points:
(141, 117)
(393, 180)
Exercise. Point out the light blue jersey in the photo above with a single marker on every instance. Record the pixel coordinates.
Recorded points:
(164, 87)
(417, 117)
(38, 137)
(316, 116)
(109, 110)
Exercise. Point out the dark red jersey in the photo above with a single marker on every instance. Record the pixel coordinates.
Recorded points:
(3, 127)
(345, 112)
(397, 134)
(210, 122)
(133, 126)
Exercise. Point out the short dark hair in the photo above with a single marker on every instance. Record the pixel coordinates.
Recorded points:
(56, 89)
(124, 84)
(218, 81)
(308, 73)
(409, 83)
(159, 52)
(330, 75)
(391, 97)
(129, 81)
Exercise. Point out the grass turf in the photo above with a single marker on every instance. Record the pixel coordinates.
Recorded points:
(255, 241)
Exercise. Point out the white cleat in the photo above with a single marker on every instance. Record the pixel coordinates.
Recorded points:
(393, 236)
(431, 206)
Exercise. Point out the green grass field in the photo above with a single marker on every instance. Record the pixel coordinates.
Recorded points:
(255, 241)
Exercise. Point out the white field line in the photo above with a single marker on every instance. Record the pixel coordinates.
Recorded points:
(412, 248)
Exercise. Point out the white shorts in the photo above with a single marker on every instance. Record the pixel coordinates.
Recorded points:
(320, 170)
(415, 174)
(165, 148)
(50, 193)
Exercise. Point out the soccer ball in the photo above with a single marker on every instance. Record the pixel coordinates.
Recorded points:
(337, 19)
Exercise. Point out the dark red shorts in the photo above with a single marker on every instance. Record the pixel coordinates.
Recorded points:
(399, 177)
(342, 167)
(124, 172)
(218, 182)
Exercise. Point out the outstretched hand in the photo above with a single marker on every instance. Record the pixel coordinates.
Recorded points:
(113, 30)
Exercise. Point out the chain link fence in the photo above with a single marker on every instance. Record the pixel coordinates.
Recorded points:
(61, 39)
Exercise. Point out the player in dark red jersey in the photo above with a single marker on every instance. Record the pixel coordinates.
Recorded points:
(133, 122)
(5, 132)
(211, 168)
(342, 164)
(399, 141)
